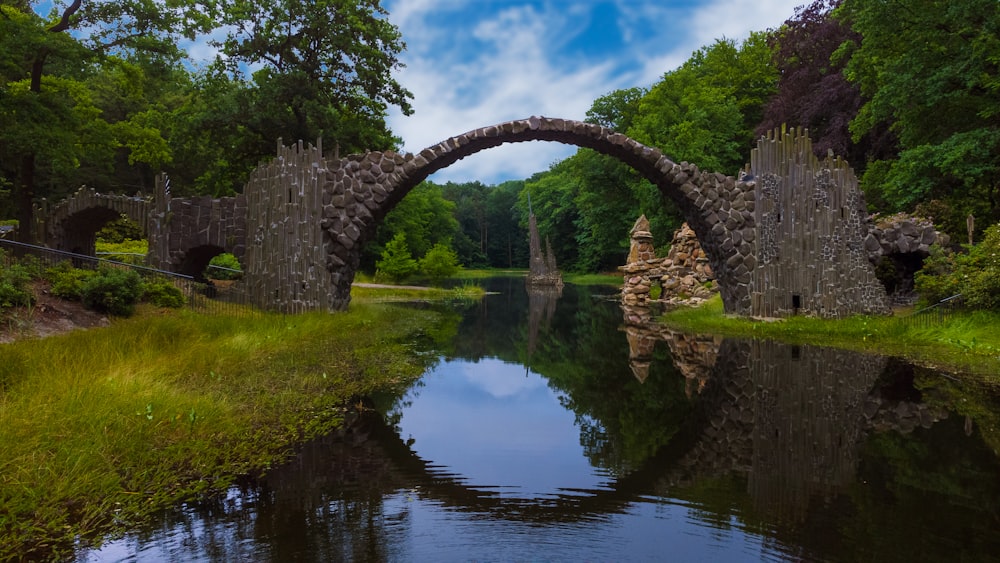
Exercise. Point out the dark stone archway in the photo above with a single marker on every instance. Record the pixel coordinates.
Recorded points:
(73, 223)
(362, 189)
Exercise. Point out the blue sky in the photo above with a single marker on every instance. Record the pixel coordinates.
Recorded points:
(472, 63)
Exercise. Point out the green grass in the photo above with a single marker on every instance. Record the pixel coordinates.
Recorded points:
(966, 341)
(466, 292)
(594, 279)
(100, 428)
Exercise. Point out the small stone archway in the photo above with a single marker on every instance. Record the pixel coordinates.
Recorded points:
(362, 189)
(195, 260)
(73, 223)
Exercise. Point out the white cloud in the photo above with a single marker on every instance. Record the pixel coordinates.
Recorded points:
(469, 67)
(498, 379)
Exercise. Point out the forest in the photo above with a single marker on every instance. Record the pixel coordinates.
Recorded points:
(105, 94)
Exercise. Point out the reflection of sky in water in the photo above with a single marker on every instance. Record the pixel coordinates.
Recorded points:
(655, 530)
(495, 425)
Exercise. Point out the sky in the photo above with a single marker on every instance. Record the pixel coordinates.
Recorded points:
(473, 63)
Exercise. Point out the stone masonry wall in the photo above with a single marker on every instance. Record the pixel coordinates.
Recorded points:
(178, 225)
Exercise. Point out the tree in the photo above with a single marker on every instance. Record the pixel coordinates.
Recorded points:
(397, 262)
(473, 234)
(706, 111)
(439, 263)
(812, 90)
(54, 109)
(617, 109)
(424, 216)
(324, 69)
(931, 70)
(507, 244)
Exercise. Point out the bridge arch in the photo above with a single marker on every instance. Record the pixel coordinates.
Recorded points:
(72, 225)
(366, 187)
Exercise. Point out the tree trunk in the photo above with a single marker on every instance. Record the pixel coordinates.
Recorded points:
(25, 198)
(25, 201)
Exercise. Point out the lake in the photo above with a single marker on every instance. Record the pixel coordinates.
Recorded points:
(557, 426)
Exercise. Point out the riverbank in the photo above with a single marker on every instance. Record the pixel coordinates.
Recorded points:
(101, 428)
(966, 342)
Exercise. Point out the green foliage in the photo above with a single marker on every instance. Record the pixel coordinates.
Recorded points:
(930, 71)
(128, 251)
(323, 69)
(397, 262)
(162, 293)
(705, 112)
(14, 286)
(439, 263)
(119, 230)
(221, 267)
(424, 217)
(975, 274)
(112, 290)
(67, 281)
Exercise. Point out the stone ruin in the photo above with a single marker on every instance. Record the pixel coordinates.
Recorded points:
(542, 270)
(684, 276)
(897, 245)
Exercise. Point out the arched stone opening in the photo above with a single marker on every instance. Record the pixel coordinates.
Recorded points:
(196, 259)
(364, 188)
(73, 222)
(78, 232)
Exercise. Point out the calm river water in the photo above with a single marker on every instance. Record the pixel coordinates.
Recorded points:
(560, 428)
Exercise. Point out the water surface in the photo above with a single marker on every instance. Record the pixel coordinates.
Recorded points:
(557, 427)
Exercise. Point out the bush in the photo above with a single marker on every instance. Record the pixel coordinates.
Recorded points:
(120, 230)
(440, 262)
(975, 274)
(162, 293)
(67, 281)
(14, 289)
(113, 291)
(397, 263)
(221, 267)
(129, 251)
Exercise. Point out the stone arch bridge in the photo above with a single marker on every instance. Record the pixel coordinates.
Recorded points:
(303, 219)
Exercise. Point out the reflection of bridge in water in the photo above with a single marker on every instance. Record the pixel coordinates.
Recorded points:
(790, 417)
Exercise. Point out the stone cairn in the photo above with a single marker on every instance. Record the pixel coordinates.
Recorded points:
(685, 275)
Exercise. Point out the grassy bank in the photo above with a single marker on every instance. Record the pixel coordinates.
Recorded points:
(968, 341)
(100, 428)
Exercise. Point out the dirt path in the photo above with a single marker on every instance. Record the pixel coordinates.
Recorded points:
(49, 315)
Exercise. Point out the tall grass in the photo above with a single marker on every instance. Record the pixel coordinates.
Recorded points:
(100, 428)
(965, 341)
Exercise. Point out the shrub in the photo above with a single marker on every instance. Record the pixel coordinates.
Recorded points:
(120, 230)
(975, 274)
(397, 263)
(221, 267)
(112, 291)
(14, 289)
(440, 262)
(67, 281)
(162, 293)
(129, 251)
